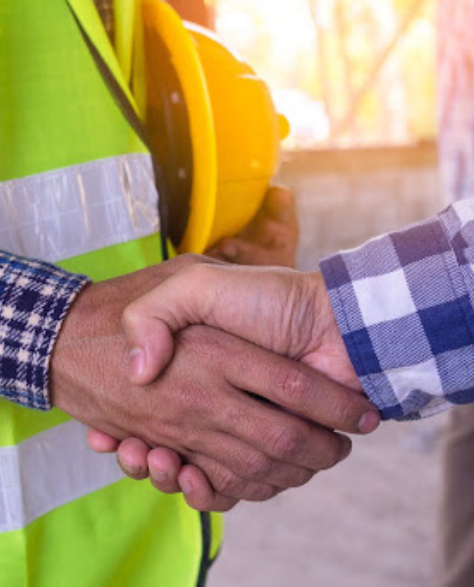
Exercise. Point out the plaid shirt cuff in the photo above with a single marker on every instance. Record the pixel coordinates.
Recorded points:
(34, 299)
(404, 306)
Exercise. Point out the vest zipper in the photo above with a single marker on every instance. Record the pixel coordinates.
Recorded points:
(206, 548)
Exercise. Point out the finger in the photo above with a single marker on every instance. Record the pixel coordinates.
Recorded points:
(149, 322)
(132, 458)
(199, 493)
(215, 254)
(101, 442)
(147, 360)
(276, 235)
(254, 465)
(164, 466)
(301, 390)
(215, 295)
(225, 482)
(280, 205)
(237, 250)
(284, 439)
(140, 327)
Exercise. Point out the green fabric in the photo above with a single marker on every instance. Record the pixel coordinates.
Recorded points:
(124, 535)
(18, 423)
(55, 112)
(55, 109)
(89, 18)
(117, 260)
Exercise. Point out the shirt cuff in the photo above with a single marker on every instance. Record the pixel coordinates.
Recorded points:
(34, 299)
(404, 312)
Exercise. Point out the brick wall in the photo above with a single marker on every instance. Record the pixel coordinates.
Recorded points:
(345, 197)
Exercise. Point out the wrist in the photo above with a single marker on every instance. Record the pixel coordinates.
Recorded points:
(330, 356)
(90, 330)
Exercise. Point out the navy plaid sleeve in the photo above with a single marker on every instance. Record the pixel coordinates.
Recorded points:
(404, 305)
(34, 299)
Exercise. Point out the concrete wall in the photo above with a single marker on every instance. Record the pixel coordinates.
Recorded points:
(345, 197)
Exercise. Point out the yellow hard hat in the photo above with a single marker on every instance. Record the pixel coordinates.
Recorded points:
(213, 124)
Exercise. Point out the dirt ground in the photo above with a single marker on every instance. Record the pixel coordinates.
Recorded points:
(368, 523)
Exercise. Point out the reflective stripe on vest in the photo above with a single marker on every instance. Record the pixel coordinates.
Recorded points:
(68, 212)
(27, 492)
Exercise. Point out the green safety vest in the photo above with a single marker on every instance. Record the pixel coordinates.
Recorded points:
(77, 188)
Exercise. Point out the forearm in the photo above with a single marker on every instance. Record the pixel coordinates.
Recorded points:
(404, 306)
(34, 299)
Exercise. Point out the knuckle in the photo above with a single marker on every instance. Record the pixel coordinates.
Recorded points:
(294, 387)
(192, 269)
(258, 467)
(190, 259)
(130, 316)
(194, 395)
(196, 272)
(229, 484)
(343, 411)
(288, 442)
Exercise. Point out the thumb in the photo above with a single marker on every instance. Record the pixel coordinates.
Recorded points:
(150, 321)
(262, 306)
(149, 339)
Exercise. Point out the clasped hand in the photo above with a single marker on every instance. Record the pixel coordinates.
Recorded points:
(282, 387)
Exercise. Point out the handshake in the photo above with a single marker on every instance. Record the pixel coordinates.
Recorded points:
(237, 386)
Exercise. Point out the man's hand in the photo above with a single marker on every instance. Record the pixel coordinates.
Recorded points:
(285, 311)
(270, 239)
(207, 405)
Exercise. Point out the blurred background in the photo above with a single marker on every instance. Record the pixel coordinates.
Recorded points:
(344, 72)
(357, 81)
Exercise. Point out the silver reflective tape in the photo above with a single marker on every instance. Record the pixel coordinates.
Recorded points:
(72, 211)
(48, 470)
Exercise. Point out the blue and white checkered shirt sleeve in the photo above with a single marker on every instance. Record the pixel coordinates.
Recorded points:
(34, 299)
(404, 304)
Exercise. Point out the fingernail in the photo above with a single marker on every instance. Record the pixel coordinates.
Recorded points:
(186, 486)
(229, 250)
(347, 448)
(137, 361)
(369, 422)
(159, 476)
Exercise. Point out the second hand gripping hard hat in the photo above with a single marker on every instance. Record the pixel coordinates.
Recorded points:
(214, 127)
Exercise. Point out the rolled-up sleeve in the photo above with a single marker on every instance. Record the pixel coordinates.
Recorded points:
(34, 300)
(404, 304)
